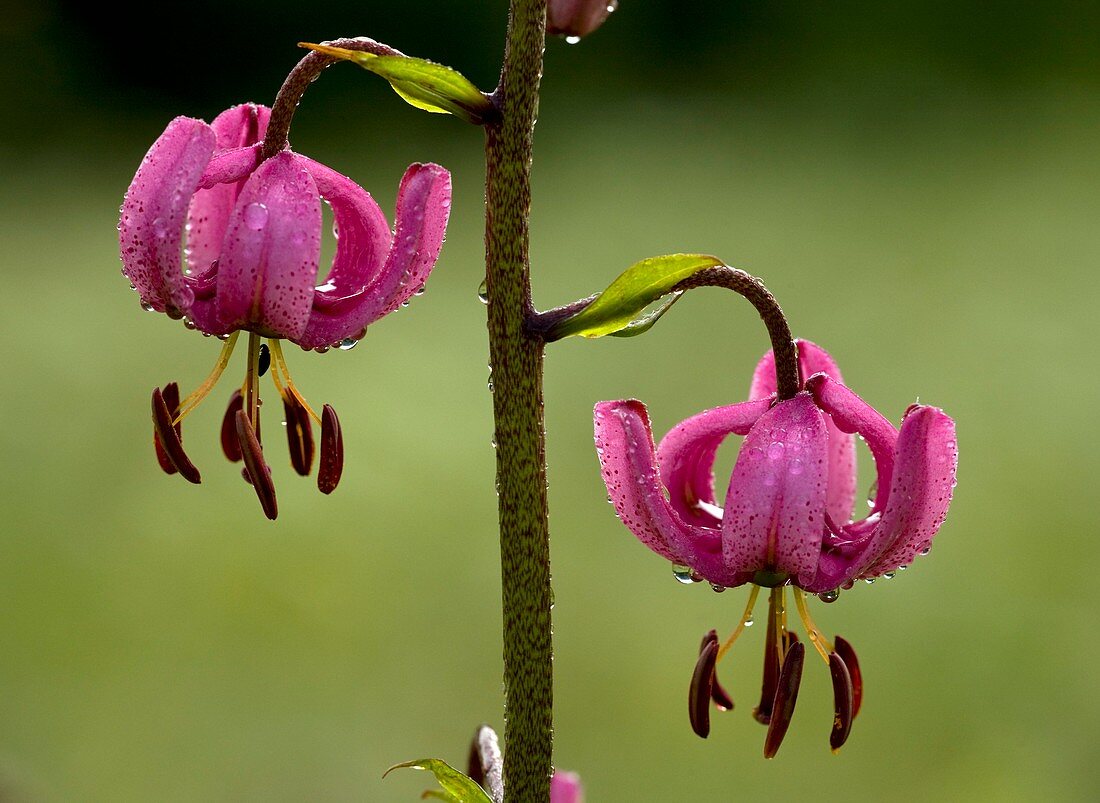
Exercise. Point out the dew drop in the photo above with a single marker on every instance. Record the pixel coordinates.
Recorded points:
(421, 290)
(321, 349)
(255, 216)
(775, 450)
(572, 40)
(888, 575)
(717, 589)
(926, 550)
(347, 344)
(829, 596)
(145, 305)
(750, 622)
(483, 293)
(188, 323)
(870, 581)
(872, 492)
(223, 337)
(683, 574)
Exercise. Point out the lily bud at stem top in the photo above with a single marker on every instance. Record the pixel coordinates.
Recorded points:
(576, 18)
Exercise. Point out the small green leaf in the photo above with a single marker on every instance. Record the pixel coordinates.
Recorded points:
(421, 83)
(457, 787)
(617, 309)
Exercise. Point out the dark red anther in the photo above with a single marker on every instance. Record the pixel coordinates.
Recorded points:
(719, 695)
(230, 445)
(332, 452)
(171, 394)
(258, 471)
(170, 438)
(848, 655)
(702, 681)
(299, 434)
(842, 702)
(786, 695)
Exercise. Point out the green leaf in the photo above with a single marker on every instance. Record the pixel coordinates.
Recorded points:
(457, 787)
(619, 310)
(421, 83)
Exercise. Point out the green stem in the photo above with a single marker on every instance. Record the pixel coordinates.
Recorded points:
(516, 358)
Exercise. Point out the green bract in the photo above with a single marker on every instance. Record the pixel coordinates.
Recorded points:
(421, 83)
(457, 788)
(619, 309)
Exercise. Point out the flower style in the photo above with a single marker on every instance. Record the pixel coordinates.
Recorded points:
(787, 515)
(249, 232)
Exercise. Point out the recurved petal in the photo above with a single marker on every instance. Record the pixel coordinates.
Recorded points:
(150, 230)
(852, 414)
(686, 457)
(268, 264)
(812, 359)
(628, 463)
(423, 208)
(774, 512)
(241, 125)
(924, 479)
(366, 286)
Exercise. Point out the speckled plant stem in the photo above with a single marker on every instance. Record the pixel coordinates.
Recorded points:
(516, 357)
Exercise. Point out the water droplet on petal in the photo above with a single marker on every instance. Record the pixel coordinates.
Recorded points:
(145, 305)
(572, 40)
(717, 588)
(829, 596)
(255, 216)
(683, 574)
(421, 290)
(347, 344)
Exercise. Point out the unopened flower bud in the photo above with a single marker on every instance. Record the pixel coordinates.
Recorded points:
(574, 19)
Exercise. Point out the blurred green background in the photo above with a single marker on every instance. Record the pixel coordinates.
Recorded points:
(917, 183)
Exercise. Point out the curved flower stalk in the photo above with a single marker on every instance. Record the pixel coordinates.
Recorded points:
(786, 520)
(213, 234)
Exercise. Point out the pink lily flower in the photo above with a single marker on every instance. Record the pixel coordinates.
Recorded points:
(213, 234)
(786, 520)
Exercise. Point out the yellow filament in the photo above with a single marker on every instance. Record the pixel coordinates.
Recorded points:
(281, 375)
(820, 643)
(195, 397)
(746, 617)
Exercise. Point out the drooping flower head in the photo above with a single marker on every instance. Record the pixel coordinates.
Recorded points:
(787, 517)
(214, 234)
